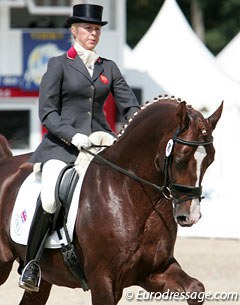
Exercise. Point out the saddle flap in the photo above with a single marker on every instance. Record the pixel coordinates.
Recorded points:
(65, 187)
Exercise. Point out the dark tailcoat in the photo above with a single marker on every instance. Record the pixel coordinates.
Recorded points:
(71, 101)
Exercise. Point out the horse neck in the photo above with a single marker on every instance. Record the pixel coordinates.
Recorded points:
(139, 143)
(135, 152)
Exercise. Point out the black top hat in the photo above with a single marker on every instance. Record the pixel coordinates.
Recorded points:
(89, 13)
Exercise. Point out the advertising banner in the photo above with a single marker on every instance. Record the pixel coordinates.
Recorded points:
(38, 47)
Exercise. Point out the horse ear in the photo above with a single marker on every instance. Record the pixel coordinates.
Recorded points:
(213, 119)
(182, 116)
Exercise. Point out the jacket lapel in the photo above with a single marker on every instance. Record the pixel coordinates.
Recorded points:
(78, 64)
(98, 68)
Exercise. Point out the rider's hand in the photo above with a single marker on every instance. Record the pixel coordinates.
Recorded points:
(81, 140)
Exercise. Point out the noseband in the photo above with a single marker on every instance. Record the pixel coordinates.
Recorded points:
(177, 190)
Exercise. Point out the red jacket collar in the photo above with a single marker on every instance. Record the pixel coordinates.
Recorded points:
(71, 53)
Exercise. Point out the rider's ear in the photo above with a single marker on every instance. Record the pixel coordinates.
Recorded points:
(213, 119)
(182, 116)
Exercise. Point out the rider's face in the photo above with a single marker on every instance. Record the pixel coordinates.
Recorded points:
(86, 34)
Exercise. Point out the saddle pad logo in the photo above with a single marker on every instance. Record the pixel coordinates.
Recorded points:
(19, 220)
(23, 216)
(17, 224)
(104, 79)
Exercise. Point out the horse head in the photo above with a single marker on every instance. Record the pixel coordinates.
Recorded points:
(188, 154)
(179, 140)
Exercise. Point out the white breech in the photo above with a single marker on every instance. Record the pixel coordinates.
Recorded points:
(50, 172)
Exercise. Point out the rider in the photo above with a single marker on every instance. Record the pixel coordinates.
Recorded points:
(71, 98)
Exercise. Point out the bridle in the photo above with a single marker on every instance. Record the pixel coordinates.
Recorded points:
(175, 190)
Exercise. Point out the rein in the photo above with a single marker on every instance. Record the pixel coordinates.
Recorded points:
(122, 170)
(189, 192)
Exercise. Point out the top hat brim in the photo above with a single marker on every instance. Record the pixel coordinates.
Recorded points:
(74, 19)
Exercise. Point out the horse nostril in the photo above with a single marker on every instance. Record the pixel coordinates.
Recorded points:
(181, 218)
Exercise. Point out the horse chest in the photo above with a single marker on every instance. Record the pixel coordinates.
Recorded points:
(158, 242)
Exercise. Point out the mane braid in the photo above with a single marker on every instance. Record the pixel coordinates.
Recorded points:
(160, 98)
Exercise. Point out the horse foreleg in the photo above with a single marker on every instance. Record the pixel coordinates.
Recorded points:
(102, 291)
(6, 260)
(5, 271)
(39, 298)
(176, 284)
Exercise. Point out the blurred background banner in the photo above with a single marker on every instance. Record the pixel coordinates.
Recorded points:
(38, 48)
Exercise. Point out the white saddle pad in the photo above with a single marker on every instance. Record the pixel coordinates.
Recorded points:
(25, 206)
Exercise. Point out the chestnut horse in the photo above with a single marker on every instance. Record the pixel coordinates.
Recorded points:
(134, 194)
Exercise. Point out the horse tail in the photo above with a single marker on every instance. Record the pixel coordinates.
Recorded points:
(5, 150)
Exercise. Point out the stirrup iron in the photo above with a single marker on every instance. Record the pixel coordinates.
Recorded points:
(28, 287)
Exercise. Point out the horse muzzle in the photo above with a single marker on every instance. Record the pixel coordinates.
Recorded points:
(187, 213)
(186, 202)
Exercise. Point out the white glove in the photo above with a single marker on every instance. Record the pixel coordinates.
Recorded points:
(81, 140)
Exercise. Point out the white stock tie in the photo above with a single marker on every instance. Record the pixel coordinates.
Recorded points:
(88, 57)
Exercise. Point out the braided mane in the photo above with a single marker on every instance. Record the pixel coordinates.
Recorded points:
(160, 98)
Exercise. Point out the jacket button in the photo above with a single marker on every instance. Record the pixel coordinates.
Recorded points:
(90, 99)
(89, 113)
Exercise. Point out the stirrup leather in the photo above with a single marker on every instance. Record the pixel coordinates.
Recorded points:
(34, 270)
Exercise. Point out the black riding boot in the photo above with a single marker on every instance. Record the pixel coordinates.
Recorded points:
(39, 231)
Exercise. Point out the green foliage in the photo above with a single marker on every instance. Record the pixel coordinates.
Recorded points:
(222, 22)
(140, 15)
(221, 19)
